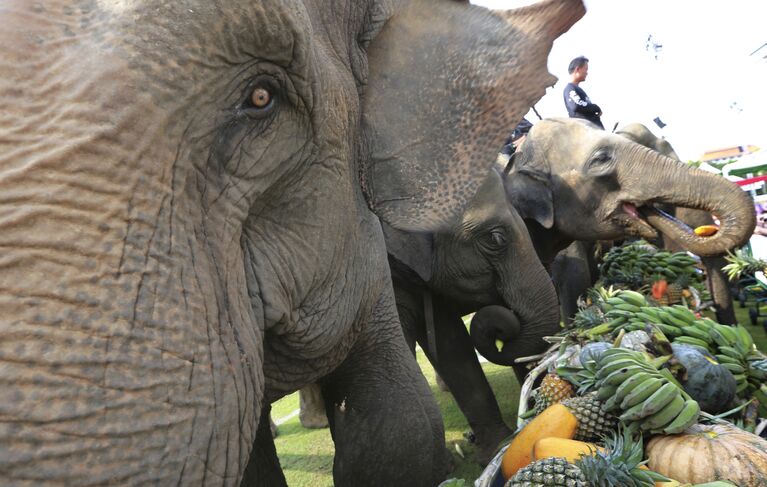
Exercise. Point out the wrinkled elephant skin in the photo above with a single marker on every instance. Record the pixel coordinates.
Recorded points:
(187, 236)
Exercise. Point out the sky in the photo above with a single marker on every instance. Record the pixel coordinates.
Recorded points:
(704, 84)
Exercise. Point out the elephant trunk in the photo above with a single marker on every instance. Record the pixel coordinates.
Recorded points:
(680, 185)
(519, 337)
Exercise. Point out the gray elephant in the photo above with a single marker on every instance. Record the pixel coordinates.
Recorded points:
(484, 258)
(718, 284)
(571, 181)
(187, 230)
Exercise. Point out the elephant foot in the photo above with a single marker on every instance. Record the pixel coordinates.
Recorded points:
(312, 421)
(312, 414)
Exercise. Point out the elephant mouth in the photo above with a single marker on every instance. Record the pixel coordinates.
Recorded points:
(633, 219)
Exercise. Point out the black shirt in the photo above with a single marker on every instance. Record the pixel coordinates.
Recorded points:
(579, 105)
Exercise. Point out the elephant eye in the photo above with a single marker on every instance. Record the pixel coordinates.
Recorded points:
(260, 99)
(496, 238)
(600, 160)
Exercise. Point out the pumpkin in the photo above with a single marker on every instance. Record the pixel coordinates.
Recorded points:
(705, 380)
(706, 453)
(554, 421)
(570, 450)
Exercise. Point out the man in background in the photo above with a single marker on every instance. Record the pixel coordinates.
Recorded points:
(576, 100)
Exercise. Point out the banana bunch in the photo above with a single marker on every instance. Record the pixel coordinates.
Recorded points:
(736, 351)
(645, 397)
(640, 260)
(619, 309)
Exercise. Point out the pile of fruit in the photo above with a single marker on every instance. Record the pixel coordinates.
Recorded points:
(672, 277)
(629, 398)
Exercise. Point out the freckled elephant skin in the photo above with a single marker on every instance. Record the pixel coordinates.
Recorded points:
(187, 236)
(571, 181)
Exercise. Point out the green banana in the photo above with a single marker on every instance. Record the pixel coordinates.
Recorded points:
(670, 330)
(613, 353)
(630, 308)
(734, 368)
(605, 392)
(632, 414)
(665, 415)
(718, 337)
(633, 297)
(744, 338)
(732, 352)
(683, 313)
(729, 334)
(617, 377)
(691, 331)
(612, 366)
(639, 394)
(726, 359)
(686, 418)
(628, 386)
(659, 399)
(688, 340)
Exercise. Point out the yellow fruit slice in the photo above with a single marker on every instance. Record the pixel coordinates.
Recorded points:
(555, 421)
(706, 230)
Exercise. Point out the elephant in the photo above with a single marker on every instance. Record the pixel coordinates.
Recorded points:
(571, 181)
(485, 258)
(718, 283)
(191, 194)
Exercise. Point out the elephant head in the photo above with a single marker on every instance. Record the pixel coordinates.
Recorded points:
(185, 217)
(587, 184)
(485, 258)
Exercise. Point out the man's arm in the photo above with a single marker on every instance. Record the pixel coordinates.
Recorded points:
(581, 105)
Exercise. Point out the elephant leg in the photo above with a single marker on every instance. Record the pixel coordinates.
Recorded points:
(572, 277)
(457, 364)
(264, 466)
(312, 407)
(719, 287)
(385, 423)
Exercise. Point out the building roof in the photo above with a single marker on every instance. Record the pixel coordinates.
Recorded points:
(727, 153)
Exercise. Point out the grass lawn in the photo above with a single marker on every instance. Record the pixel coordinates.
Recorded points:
(307, 455)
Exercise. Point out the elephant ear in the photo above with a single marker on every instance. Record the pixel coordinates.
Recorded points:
(529, 191)
(411, 249)
(447, 82)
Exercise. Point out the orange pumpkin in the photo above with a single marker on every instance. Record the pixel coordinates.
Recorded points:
(706, 453)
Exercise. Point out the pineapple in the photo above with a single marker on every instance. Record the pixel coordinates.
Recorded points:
(549, 471)
(675, 289)
(616, 466)
(553, 389)
(588, 317)
(593, 421)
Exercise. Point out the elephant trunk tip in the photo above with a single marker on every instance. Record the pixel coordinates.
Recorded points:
(490, 325)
